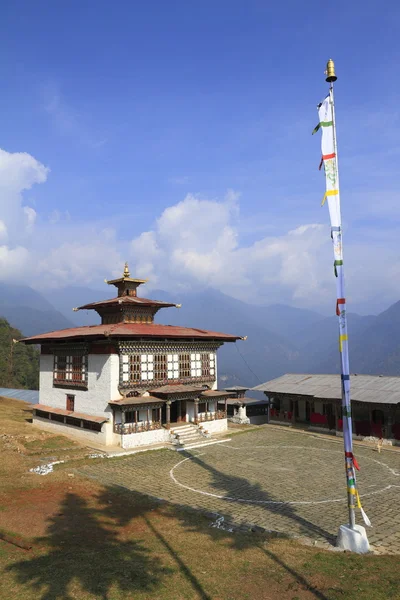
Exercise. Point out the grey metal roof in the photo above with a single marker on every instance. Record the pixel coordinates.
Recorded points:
(364, 388)
(31, 396)
(237, 388)
(246, 401)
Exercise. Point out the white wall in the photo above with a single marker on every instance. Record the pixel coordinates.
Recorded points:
(132, 440)
(215, 384)
(103, 377)
(215, 426)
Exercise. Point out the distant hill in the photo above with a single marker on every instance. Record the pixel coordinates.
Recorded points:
(19, 364)
(376, 348)
(280, 338)
(70, 297)
(29, 311)
(318, 345)
(265, 354)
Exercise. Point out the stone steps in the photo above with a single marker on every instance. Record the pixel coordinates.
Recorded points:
(187, 435)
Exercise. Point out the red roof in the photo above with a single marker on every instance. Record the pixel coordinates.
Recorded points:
(69, 413)
(178, 388)
(131, 331)
(138, 401)
(126, 300)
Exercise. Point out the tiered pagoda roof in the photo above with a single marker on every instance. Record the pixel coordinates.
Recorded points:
(127, 307)
(128, 317)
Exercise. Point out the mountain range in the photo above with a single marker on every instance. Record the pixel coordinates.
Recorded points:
(280, 338)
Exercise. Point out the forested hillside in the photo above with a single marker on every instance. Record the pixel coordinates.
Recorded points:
(19, 364)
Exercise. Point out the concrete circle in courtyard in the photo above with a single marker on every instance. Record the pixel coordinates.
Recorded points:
(278, 474)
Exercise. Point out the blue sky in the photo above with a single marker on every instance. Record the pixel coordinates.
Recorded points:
(178, 135)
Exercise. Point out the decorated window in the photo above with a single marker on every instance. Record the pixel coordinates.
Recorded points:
(173, 366)
(184, 365)
(70, 369)
(195, 365)
(140, 368)
(208, 364)
(160, 367)
(147, 367)
(133, 372)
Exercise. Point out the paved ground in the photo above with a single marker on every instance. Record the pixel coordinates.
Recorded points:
(279, 479)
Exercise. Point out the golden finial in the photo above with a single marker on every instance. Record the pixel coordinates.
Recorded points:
(126, 271)
(330, 71)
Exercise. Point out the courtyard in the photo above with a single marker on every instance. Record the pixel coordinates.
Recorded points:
(282, 480)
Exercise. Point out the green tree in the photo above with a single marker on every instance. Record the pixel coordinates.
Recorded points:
(19, 364)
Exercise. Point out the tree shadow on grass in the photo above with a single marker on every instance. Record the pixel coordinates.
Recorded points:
(122, 508)
(85, 550)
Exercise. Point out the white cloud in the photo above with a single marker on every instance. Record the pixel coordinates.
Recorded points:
(19, 171)
(194, 243)
(30, 218)
(14, 263)
(3, 231)
(197, 241)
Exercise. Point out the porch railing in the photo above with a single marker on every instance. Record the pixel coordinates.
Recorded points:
(203, 417)
(126, 428)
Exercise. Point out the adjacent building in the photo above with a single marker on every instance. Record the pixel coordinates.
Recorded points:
(316, 400)
(243, 410)
(124, 381)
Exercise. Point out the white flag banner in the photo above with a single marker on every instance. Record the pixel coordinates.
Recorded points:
(332, 197)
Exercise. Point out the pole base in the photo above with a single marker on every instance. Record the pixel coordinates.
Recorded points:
(353, 540)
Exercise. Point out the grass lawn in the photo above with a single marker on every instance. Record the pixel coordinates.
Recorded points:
(92, 542)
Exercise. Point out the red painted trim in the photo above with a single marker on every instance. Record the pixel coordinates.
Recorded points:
(339, 301)
(328, 156)
(351, 455)
(103, 349)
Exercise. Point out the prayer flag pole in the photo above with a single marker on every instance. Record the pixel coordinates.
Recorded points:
(351, 536)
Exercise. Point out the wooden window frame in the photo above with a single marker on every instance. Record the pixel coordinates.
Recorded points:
(208, 364)
(70, 370)
(70, 402)
(160, 367)
(185, 365)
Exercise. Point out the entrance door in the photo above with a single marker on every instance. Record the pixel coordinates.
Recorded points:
(328, 409)
(182, 411)
(178, 411)
(174, 411)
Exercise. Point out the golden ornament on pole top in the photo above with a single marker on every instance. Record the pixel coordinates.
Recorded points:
(330, 71)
